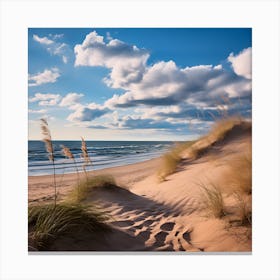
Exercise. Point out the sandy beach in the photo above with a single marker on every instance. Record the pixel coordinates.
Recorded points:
(169, 215)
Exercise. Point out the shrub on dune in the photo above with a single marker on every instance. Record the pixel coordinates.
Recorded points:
(47, 222)
(80, 193)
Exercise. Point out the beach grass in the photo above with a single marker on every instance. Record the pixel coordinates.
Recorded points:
(240, 173)
(217, 133)
(222, 126)
(244, 209)
(83, 188)
(47, 222)
(212, 200)
(171, 160)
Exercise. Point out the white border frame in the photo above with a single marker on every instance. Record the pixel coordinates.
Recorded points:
(17, 16)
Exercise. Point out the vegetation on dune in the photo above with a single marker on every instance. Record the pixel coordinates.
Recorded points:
(85, 156)
(240, 173)
(244, 209)
(196, 149)
(50, 150)
(218, 132)
(221, 127)
(47, 222)
(80, 193)
(212, 200)
(171, 160)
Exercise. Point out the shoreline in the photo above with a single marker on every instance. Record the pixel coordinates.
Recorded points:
(40, 187)
(99, 167)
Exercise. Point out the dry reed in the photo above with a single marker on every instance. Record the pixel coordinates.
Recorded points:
(85, 156)
(67, 153)
(212, 199)
(50, 149)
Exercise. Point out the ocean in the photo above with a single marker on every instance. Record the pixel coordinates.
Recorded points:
(103, 154)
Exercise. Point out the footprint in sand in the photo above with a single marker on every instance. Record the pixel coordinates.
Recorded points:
(187, 236)
(167, 226)
(148, 223)
(160, 238)
(145, 235)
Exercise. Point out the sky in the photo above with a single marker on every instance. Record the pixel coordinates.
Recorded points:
(166, 84)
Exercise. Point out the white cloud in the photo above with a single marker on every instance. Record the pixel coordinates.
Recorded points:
(47, 76)
(167, 93)
(127, 62)
(42, 111)
(64, 59)
(42, 40)
(165, 84)
(88, 113)
(54, 47)
(242, 63)
(56, 36)
(45, 99)
(71, 99)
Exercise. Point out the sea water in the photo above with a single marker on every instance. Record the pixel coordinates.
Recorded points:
(103, 154)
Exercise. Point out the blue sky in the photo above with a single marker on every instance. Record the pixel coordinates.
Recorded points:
(136, 84)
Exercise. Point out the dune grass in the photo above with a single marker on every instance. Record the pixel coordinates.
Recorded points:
(83, 188)
(221, 127)
(47, 222)
(245, 210)
(217, 133)
(171, 159)
(197, 148)
(241, 173)
(212, 200)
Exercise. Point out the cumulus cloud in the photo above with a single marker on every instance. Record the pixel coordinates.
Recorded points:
(42, 40)
(242, 63)
(45, 99)
(71, 99)
(162, 95)
(47, 76)
(165, 84)
(140, 122)
(53, 46)
(88, 113)
(127, 62)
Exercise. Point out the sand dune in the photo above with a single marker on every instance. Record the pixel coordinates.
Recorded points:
(146, 214)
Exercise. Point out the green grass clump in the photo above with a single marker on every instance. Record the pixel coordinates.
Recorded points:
(171, 159)
(213, 200)
(83, 188)
(47, 222)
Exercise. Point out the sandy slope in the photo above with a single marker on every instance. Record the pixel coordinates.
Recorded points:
(166, 216)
